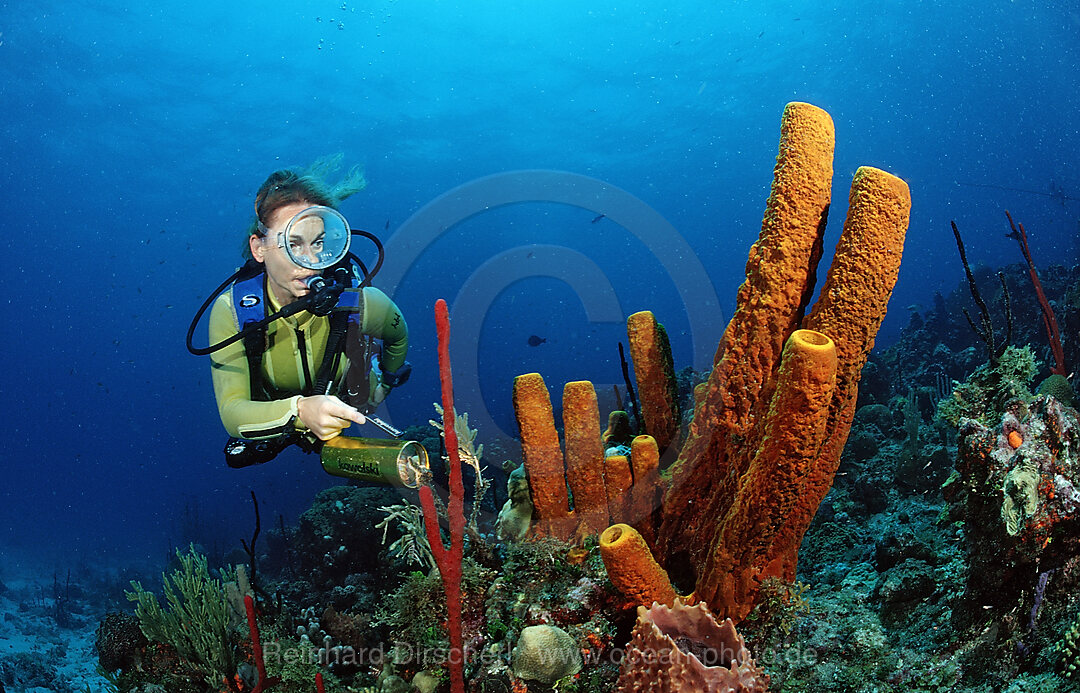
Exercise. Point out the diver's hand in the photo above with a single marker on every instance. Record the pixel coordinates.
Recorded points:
(327, 416)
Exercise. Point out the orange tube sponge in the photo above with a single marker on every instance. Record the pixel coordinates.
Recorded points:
(780, 275)
(543, 457)
(617, 482)
(850, 310)
(794, 430)
(646, 493)
(632, 569)
(585, 455)
(654, 372)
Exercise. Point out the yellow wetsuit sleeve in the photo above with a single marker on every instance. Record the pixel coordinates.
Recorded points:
(242, 416)
(383, 321)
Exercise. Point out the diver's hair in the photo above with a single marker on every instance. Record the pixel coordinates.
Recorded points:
(303, 185)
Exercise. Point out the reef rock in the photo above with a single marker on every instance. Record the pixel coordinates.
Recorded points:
(684, 649)
(1021, 481)
(1017, 490)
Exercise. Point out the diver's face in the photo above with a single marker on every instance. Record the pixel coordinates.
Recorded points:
(284, 277)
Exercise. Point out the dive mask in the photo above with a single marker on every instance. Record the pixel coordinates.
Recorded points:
(316, 238)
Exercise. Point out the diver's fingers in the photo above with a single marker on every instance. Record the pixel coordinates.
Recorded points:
(326, 416)
(343, 411)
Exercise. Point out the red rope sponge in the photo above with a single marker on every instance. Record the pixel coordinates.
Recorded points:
(448, 559)
(264, 683)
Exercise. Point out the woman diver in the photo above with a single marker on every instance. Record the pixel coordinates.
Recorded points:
(293, 351)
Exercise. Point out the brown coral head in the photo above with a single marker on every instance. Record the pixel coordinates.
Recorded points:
(686, 649)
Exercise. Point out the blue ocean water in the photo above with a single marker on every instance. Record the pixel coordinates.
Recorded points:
(133, 137)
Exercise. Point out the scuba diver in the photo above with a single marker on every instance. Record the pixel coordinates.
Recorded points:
(301, 345)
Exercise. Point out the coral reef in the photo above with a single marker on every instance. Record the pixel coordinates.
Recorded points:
(339, 535)
(888, 560)
(682, 648)
(901, 585)
(989, 390)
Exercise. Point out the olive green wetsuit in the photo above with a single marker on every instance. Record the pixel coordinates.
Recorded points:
(291, 362)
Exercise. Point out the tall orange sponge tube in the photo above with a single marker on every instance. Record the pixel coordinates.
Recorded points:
(585, 455)
(733, 436)
(543, 457)
(780, 275)
(850, 310)
(794, 431)
(654, 371)
(647, 490)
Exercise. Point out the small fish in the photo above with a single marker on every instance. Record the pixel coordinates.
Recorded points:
(598, 218)
(387, 227)
(536, 341)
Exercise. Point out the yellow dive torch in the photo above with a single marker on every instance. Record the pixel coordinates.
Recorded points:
(395, 462)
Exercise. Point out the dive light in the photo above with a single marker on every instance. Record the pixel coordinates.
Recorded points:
(395, 462)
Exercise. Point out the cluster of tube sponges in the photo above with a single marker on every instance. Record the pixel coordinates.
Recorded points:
(606, 489)
(770, 423)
